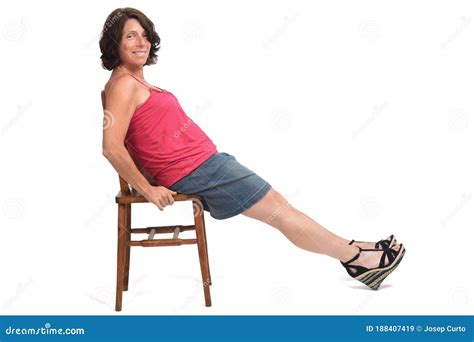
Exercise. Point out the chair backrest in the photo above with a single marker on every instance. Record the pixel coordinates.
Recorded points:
(124, 187)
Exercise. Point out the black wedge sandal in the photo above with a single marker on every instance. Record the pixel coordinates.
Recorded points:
(381, 244)
(375, 276)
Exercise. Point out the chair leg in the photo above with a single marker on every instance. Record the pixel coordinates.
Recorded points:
(202, 250)
(127, 246)
(120, 255)
(207, 255)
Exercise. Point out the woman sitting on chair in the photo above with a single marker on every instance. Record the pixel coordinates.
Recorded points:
(150, 129)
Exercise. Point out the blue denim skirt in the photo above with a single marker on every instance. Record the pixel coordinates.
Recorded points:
(227, 187)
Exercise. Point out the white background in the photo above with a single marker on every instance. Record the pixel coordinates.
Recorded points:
(359, 112)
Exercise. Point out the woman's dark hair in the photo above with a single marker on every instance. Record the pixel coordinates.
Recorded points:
(112, 35)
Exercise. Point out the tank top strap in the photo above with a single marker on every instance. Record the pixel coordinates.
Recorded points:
(140, 81)
(145, 85)
(126, 73)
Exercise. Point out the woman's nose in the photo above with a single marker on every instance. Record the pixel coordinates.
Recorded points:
(141, 41)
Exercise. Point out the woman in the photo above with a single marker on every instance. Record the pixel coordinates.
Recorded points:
(150, 130)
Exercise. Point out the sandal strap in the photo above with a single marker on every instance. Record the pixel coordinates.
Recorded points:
(384, 243)
(354, 258)
(358, 270)
(390, 253)
(349, 268)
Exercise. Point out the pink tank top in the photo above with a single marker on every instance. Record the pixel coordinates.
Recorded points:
(164, 140)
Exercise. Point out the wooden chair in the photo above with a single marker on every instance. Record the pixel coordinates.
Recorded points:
(128, 196)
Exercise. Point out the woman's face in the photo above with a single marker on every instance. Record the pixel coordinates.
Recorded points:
(134, 46)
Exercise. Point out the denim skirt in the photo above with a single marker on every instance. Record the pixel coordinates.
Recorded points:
(226, 187)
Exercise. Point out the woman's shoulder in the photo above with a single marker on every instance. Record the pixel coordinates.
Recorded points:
(124, 90)
(122, 82)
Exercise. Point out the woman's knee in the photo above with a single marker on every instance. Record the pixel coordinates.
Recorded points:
(273, 208)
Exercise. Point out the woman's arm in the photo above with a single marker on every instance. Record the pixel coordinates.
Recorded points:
(125, 167)
(120, 105)
(143, 171)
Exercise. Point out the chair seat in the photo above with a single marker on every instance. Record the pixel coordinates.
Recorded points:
(135, 197)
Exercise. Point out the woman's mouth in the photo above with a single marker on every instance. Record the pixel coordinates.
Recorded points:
(139, 53)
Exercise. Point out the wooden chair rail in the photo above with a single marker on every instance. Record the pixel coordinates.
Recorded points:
(162, 242)
(162, 229)
(151, 231)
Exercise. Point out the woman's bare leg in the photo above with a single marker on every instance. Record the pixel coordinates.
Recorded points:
(306, 233)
